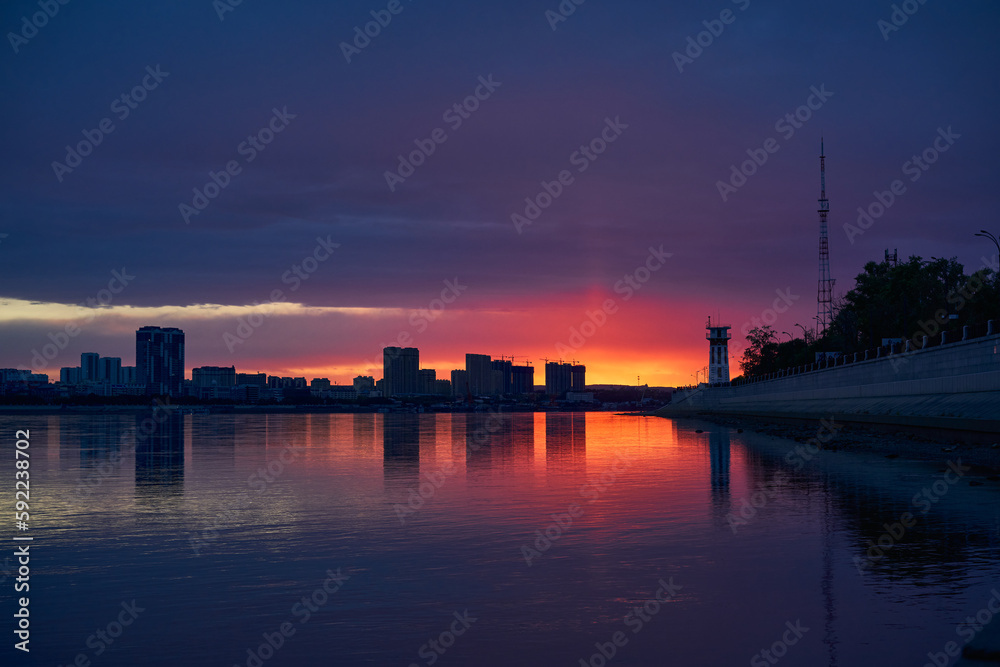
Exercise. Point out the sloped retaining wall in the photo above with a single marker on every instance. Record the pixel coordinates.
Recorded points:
(954, 386)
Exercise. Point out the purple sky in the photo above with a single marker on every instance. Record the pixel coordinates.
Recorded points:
(324, 174)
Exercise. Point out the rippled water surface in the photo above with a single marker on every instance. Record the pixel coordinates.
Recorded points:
(428, 516)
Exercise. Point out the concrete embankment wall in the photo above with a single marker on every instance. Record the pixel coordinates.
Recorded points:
(954, 386)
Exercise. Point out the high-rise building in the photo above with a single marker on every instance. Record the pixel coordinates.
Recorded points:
(159, 359)
(425, 380)
(16, 380)
(128, 375)
(109, 369)
(399, 370)
(364, 384)
(459, 383)
(522, 380)
(69, 375)
(480, 370)
(254, 379)
(213, 381)
(504, 367)
(558, 378)
(89, 362)
(214, 376)
(578, 377)
(248, 392)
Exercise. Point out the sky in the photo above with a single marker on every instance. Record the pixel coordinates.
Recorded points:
(641, 108)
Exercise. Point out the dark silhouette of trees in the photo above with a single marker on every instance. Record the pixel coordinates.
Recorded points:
(902, 301)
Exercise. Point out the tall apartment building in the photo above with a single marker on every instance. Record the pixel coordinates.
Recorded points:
(459, 383)
(364, 384)
(109, 369)
(558, 378)
(426, 377)
(252, 379)
(522, 380)
(89, 362)
(214, 376)
(400, 366)
(481, 378)
(159, 359)
(503, 367)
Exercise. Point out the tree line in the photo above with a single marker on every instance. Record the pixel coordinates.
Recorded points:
(890, 302)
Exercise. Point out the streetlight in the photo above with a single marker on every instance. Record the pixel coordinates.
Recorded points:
(986, 235)
(789, 336)
(805, 336)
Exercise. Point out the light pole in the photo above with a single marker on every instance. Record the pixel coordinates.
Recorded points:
(986, 235)
(789, 336)
(805, 334)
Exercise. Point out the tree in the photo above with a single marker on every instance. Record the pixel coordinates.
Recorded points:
(761, 351)
(893, 301)
(904, 301)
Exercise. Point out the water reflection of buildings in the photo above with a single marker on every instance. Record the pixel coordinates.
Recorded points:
(498, 442)
(159, 453)
(213, 441)
(718, 448)
(99, 438)
(401, 447)
(566, 442)
(364, 430)
(858, 503)
(939, 549)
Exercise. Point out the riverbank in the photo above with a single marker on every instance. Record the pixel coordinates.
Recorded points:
(886, 464)
(886, 440)
(948, 392)
(183, 408)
